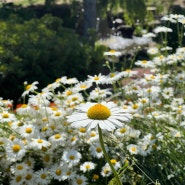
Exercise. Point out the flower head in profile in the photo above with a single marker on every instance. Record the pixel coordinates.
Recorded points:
(107, 115)
(30, 88)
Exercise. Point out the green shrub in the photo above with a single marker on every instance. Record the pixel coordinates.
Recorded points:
(42, 50)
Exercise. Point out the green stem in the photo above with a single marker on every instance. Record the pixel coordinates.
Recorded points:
(107, 157)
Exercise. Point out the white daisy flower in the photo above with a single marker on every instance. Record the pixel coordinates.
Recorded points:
(120, 132)
(98, 79)
(74, 99)
(106, 171)
(115, 163)
(57, 172)
(81, 86)
(15, 150)
(112, 77)
(72, 140)
(98, 93)
(87, 166)
(144, 63)
(152, 51)
(58, 139)
(168, 92)
(23, 109)
(29, 178)
(70, 81)
(92, 136)
(80, 180)
(133, 149)
(30, 88)
(42, 177)
(82, 131)
(96, 150)
(6, 103)
(149, 35)
(5, 116)
(38, 144)
(107, 115)
(112, 53)
(160, 29)
(72, 157)
(47, 158)
(69, 174)
(27, 131)
(19, 168)
(17, 179)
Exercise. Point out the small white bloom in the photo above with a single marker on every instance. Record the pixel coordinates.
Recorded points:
(30, 88)
(72, 157)
(133, 149)
(87, 166)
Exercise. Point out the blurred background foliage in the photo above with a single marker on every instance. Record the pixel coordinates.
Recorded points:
(43, 40)
(42, 50)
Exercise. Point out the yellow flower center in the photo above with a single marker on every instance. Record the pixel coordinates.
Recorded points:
(28, 130)
(43, 176)
(39, 141)
(87, 166)
(73, 139)
(28, 176)
(95, 177)
(128, 70)
(5, 115)
(19, 167)
(96, 78)
(24, 105)
(52, 127)
(144, 61)
(82, 129)
(68, 173)
(113, 161)
(57, 80)
(106, 171)
(16, 148)
(93, 134)
(143, 101)
(44, 129)
(98, 150)
(57, 136)
(74, 98)
(79, 181)
(28, 87)
(72, 157)
(68, 93)
(46, 158)
(135, 106)
(112, 75)
(98, 112)
(122, 130)
(58, 172)
(18, 178)
(83, 86)
(44, 119)
(112, 51)
(57, 114)
(133, 149)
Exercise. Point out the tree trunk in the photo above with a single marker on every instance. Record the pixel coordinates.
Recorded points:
(89, 16)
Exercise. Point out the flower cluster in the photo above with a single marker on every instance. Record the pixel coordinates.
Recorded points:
(53, 137)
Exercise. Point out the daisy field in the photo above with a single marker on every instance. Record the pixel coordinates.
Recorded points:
(117, 128)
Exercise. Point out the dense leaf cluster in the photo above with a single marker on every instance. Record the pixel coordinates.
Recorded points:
(42, 50)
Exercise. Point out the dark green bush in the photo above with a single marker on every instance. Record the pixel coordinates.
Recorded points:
(42, 50)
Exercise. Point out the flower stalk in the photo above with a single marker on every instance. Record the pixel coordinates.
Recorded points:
(107, 157)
